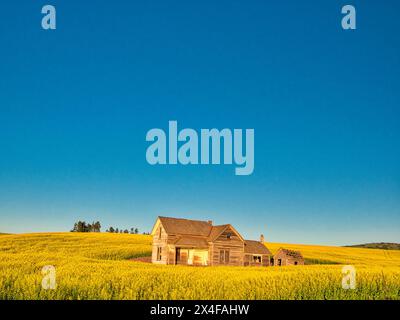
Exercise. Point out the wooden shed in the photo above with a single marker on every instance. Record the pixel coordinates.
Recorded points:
(286, 257)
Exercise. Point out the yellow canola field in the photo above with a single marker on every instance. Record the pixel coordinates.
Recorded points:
(97, 266)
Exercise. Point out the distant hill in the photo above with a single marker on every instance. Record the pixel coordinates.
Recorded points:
(378, 245)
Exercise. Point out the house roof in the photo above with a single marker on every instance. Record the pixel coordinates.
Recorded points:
(186, 226)
(198, 233)
(255, 247)
(291, 253)
(199, 242)
(216, 231)
(193, 227)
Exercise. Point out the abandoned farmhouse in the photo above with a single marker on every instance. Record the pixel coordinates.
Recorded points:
(193, 242)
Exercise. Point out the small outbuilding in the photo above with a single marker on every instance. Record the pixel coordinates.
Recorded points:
(286, 257)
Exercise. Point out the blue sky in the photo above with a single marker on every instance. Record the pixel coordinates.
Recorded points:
(76, 104)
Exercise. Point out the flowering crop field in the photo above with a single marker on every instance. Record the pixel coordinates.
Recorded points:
(98, 266)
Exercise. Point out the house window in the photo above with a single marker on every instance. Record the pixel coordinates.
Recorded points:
(257, 259)
(295, 263)
(229, 235)
(224, 256)
(159, 250)
(159, 233)
(279, 262)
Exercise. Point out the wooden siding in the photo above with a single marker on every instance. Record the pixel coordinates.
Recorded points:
(287, 260)
(234, 244)
(250, 261)
(160, 241)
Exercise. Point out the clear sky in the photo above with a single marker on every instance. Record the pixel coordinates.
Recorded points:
(76, 104)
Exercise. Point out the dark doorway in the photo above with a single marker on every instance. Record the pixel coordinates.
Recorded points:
(177, 255)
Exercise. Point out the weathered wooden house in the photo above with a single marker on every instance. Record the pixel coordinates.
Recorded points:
(286, 257)
(193, 242)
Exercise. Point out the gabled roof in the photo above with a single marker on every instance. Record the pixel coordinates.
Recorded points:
(291, 253)
(186, 226)
(255, 247)
(216, 231)
(192, 231)
(180, 226)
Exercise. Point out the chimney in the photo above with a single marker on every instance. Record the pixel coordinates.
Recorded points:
(262, 238)
(209, 222)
